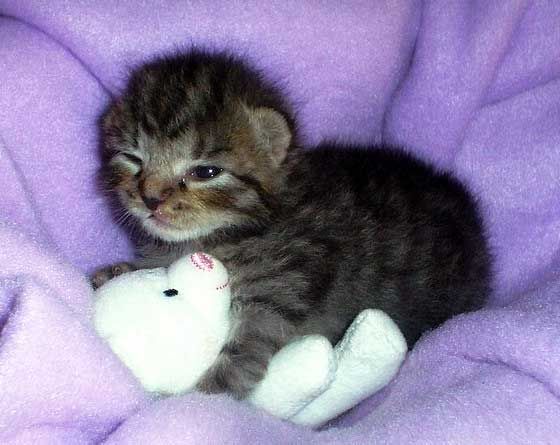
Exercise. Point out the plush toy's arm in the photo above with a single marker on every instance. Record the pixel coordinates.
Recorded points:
(368, 357)
(296, 375)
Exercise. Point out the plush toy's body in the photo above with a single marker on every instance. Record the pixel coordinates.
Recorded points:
(168, 326)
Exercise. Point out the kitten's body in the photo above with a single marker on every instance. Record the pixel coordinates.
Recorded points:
(310, 237)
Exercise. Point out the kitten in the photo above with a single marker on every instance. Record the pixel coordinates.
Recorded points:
(203, 154)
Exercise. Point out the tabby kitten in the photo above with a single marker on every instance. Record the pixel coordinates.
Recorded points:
(202, 154)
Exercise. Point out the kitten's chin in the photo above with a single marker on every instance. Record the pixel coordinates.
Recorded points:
(171, 234)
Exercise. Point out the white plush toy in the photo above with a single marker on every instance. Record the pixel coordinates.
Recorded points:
(168, 326)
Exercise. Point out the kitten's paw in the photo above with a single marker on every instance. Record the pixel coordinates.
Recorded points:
(234, 375)
(104, 274)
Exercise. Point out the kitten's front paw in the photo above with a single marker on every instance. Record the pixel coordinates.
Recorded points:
(104, 274)
(236, 375)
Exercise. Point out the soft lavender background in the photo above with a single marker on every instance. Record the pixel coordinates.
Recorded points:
(473, 86)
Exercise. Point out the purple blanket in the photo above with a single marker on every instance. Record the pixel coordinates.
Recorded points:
(473, 86)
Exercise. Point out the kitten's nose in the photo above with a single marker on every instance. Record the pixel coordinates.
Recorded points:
(151, 203)
(154, 191)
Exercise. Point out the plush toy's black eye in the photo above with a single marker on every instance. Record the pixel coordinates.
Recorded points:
(206, 171)
(171, 292)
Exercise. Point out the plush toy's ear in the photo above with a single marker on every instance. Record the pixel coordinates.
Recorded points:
(272, 131)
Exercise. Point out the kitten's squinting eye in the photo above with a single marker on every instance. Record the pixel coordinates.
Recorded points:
(133, 158)
(135, 163)
(204, 172)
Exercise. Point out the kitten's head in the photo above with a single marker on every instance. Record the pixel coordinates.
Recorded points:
(196, 144)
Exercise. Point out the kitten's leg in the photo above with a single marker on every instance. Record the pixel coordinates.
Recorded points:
(153, 261)
(258, 334)
(104, 274)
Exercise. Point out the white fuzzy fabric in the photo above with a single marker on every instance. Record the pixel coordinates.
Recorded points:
(168, 342)
(297, 374)
(368, 357)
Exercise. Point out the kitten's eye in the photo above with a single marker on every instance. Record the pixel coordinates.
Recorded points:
(133, 158)
(206, 172)
(134, 162)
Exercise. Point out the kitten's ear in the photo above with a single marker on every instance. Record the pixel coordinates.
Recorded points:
(113, 125)
(113, 117)
(273, 132)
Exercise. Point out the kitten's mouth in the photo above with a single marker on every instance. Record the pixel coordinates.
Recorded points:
(161, 221)
(162, 228)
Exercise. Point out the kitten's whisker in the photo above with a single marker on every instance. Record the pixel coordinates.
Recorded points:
(123, 218)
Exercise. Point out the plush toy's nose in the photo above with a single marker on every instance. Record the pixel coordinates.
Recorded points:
(202, 261)
(170, 292)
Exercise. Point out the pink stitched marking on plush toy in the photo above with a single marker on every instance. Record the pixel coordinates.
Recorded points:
(202, 261)
(223, 286)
